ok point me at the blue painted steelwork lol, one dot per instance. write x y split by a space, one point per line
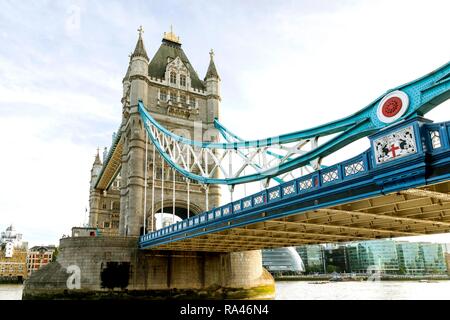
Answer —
350 180
424 94
228 136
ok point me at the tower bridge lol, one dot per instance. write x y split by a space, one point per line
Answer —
157 167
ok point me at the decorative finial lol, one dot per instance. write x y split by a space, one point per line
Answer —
211 54
141 31
171 36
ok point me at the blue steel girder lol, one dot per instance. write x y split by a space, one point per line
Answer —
417 98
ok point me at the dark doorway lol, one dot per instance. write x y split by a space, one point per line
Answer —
115 275
181 212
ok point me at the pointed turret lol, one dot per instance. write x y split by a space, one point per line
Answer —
139 51
96 168
127 74
138 71
97 160
212 81
212 71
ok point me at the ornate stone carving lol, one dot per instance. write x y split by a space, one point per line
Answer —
395 145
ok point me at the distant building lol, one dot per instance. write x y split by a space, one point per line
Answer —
13 267
421 258
282 261
369 256
447 256
312 257
447 260
39 256
12 236
383 256
85 232
336 259
13 256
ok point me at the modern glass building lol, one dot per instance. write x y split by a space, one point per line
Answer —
383 256
313 258
410 258
371 256
282 261
336 259
434 258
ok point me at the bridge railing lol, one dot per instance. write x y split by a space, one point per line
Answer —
436 138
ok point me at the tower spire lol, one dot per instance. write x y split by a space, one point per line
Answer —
212 71
140 51
97 157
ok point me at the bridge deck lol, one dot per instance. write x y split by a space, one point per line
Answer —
406 213
358 199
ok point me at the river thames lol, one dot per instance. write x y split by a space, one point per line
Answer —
305 290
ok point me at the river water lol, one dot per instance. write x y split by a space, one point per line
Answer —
304 290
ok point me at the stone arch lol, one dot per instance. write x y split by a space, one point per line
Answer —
181 205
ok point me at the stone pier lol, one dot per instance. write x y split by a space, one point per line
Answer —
113 268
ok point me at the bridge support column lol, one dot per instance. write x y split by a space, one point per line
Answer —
113 267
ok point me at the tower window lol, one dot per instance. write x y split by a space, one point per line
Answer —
173 97
163 95
104 205
116 205
173 77
183 80
192 102
183 99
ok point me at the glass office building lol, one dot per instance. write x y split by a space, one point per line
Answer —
387 256
336 259
371 256
433 258
282 261
383 256
421 258
312 257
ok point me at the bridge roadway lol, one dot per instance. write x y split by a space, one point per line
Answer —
358 199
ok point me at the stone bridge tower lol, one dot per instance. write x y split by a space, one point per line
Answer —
175 96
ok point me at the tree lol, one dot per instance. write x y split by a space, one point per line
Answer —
55 254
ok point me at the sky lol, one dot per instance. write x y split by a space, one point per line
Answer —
286 65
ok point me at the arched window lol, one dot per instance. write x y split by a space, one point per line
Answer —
173 77
183 80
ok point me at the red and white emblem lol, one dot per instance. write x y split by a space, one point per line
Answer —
395 145
392 106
